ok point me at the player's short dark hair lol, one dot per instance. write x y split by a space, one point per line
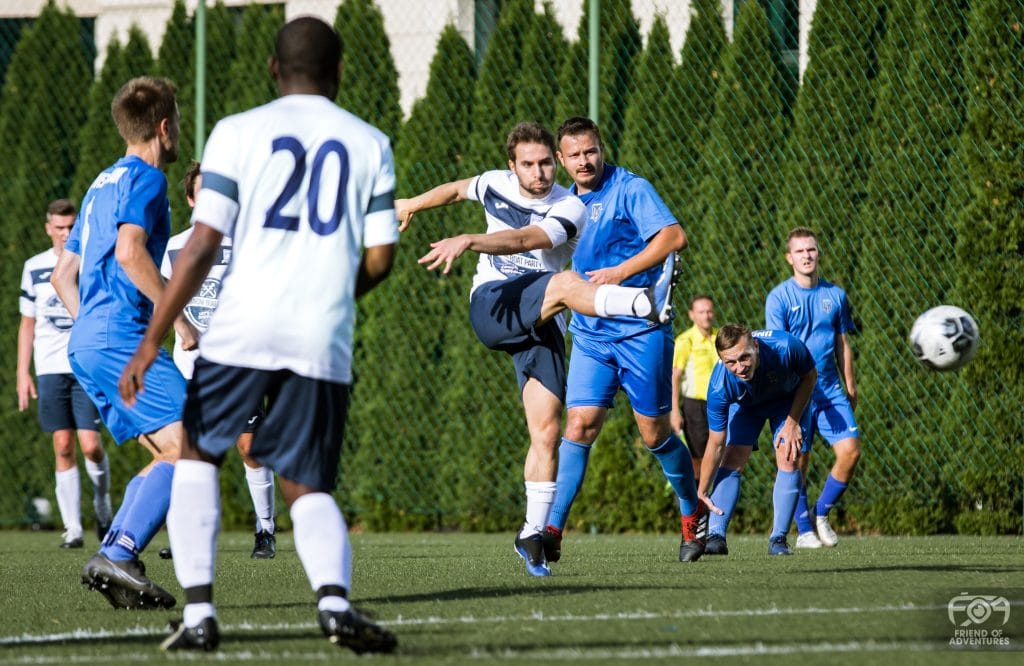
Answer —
61 207
189 181
307 49
529 132
731 335
801 232
579 125
701 297
140 105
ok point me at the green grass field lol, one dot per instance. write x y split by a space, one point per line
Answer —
457 598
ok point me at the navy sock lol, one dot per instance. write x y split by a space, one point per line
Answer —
803 518
830 494
787 488
572 467
725 496
145 516
678 467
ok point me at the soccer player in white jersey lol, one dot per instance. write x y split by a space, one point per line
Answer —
306 192
532 227
64 408
259 479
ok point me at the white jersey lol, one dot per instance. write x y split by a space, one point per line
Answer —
39 301
560 214
202 305
301 186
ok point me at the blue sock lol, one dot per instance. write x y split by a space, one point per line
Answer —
725 496
787 488
145 515
803 513
572 467
678 467
126 502
830 494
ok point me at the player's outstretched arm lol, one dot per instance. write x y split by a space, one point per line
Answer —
65 280
190 269
670 239
510 241
442 195
26 387
713 454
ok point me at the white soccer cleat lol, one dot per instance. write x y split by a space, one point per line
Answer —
808 540
826 534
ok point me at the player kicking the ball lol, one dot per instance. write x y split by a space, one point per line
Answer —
532 228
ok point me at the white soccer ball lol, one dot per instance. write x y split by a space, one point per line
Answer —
944 338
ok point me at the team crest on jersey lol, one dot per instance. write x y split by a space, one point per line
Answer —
55 312
595 210
826 305
202 305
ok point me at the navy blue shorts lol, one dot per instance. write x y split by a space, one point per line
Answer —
503 314
300 435
63 405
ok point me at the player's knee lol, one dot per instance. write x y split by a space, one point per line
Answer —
582 431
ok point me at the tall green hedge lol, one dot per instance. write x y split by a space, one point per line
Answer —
369 81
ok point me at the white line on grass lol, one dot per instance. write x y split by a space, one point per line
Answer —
248 627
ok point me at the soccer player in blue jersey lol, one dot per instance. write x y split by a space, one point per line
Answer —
533 225
631 239
108 279
763 376
818 312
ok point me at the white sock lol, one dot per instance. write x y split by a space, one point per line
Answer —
539 497
261 489
99 474
193 521
321 540
611 300
193 614
69 501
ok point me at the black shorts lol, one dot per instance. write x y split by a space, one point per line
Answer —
300 435
695 425
503 314
63 405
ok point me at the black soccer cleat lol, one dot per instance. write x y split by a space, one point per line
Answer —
101 531
166 554
352 630
265 547
76 542
203 636
124 584
716 545
551 538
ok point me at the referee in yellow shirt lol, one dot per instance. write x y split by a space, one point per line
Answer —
692 362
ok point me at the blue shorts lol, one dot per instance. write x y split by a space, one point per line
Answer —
63 405
503 314
300 435
833 419
640 365
746 421
98 371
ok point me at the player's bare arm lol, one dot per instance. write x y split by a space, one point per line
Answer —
670 239
677 413
713 454
375 266
65 281
190 269
510 241
26 386
790 435
844 359
442 195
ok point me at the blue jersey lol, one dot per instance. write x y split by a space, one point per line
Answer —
783 360
817 316
113 312
624 213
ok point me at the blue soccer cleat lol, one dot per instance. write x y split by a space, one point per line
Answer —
531 549
778 546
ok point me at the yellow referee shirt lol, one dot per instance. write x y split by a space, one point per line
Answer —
695 355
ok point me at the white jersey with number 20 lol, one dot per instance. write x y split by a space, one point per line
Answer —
301 186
